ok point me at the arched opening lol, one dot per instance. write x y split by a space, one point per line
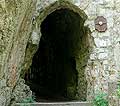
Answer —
57 69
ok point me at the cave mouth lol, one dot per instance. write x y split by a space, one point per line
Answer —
53 74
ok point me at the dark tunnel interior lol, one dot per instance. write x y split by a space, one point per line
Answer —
53 73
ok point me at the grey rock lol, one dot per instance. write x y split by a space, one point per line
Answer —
2 101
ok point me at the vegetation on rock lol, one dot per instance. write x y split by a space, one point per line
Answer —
100 99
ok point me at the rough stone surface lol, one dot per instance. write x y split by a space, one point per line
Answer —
21 91
15 25
18 21
2 101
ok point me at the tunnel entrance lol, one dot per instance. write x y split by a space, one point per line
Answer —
53 74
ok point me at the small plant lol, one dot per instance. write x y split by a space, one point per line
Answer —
118 90
118 93
100 100
28 100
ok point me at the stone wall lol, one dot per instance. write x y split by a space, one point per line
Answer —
17 24
102 66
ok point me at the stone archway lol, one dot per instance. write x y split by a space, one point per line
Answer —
57 65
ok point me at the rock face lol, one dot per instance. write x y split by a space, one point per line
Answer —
2 101
15 26
97 55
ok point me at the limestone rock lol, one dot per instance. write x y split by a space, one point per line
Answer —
2 101
21 91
